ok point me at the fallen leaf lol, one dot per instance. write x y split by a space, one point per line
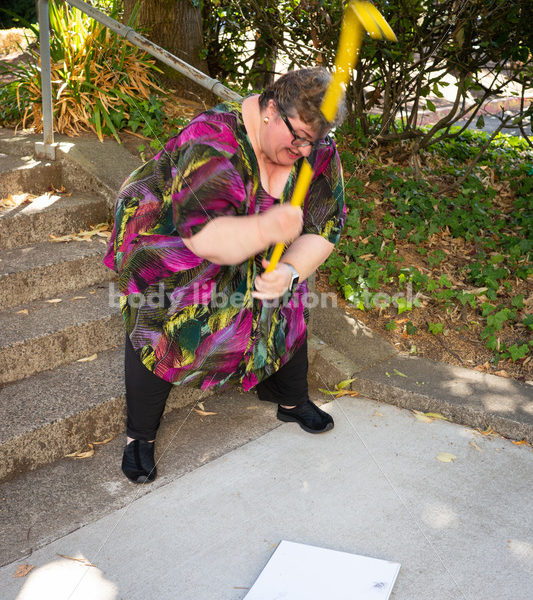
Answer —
82 453
79 298
344 383
474 445
104 441
446 457
54 300
61 190
399 373
377 414
342 393
101 230
521 443
332 393
88 358
204 413
84 561
24 311
200 405
435 415
23 570
488 431
420 416
15 200
501 373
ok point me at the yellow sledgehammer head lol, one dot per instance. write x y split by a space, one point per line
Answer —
358 18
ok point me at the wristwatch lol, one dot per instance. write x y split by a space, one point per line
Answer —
295 278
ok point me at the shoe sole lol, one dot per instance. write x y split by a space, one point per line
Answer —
289 419
141 478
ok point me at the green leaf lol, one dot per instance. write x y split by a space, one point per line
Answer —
399 373
480 122
430 106
517 352
344 383
435 328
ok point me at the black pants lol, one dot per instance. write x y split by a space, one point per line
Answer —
146 394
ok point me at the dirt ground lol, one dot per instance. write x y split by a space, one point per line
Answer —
459 348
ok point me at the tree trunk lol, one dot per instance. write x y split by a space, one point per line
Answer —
175 25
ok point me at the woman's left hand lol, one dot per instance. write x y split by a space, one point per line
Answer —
270 286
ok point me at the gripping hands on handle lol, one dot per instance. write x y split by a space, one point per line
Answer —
282 223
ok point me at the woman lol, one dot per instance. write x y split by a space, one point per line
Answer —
191 228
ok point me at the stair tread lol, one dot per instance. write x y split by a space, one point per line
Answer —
44 317
49 202
9 162
46 397
17 260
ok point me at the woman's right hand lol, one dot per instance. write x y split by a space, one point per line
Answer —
281 223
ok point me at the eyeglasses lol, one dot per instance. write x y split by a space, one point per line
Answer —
298 141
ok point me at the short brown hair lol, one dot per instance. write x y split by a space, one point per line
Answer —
300 93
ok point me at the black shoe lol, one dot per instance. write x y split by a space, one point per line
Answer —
308 416
138 461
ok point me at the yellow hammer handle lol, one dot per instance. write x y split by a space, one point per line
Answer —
347 53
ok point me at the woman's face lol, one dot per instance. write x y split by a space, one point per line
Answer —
276 140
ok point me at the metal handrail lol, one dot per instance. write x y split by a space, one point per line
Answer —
47 148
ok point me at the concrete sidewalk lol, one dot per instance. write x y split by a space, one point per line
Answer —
372 486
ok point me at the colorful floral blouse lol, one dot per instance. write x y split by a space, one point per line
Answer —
194 322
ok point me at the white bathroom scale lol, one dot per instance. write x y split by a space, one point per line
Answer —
302 572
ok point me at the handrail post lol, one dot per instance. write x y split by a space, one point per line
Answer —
46 148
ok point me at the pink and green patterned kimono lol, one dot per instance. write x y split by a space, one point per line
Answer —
195 322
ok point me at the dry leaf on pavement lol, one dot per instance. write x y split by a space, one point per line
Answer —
23 570
100 230
502 373
446 457
84 561
520 443
88 358
106 441
474 445
420 416
24 311
82 453
204 413
54 300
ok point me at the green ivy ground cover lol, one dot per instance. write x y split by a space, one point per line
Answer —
465 250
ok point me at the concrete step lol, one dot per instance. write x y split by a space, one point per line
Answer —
47 269
47 503
25 174
55 333
49 213
58 412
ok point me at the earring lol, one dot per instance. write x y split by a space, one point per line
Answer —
265 120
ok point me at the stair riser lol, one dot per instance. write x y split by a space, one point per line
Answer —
32 228
53 441
52 280
34 180
51 351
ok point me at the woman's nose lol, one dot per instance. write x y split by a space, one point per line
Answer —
305 150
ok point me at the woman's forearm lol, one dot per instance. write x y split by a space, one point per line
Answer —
307 253
230 240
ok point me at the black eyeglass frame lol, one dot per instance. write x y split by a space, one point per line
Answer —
322 143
